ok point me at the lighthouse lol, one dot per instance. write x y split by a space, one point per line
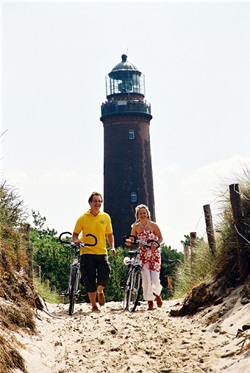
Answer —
128 174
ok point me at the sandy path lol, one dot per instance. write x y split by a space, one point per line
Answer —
143 341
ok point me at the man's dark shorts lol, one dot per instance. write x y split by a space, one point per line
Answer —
95 270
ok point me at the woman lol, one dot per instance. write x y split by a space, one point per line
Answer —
146 230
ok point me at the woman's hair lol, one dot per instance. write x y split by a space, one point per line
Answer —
94 194
137 209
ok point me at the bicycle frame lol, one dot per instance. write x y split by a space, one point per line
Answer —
74 282
133 284
75 273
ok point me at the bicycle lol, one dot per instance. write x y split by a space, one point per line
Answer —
73 291
133 284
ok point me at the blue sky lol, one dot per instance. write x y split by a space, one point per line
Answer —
195 57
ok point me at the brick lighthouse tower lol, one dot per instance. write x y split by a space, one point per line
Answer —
128 176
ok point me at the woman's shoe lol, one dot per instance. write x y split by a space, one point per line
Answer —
158 300
150 305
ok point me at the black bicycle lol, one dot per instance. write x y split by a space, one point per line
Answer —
133 284
74 291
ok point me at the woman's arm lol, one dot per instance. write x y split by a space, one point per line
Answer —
157 232
133 233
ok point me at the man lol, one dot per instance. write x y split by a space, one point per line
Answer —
95 267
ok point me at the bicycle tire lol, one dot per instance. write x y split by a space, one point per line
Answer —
134 290
126 291
72 290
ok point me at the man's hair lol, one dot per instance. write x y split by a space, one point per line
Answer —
93 195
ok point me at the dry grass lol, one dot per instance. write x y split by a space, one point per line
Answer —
10 357
18 298
208 277
17 304
196 272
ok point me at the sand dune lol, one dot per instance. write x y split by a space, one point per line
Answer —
144 341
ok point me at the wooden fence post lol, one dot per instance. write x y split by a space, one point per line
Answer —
186 253
209 228
170 285
193 236
38 273
26 229
242 245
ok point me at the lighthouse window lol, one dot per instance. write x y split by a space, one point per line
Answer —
131 134
133 197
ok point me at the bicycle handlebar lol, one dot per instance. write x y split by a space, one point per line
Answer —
81 244
136 241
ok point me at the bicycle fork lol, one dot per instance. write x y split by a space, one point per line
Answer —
74 272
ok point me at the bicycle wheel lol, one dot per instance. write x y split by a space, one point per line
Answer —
126 290
72 290
134 290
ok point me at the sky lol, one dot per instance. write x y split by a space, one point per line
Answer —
196 61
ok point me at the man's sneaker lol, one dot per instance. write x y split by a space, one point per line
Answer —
158 300
150 305
101 298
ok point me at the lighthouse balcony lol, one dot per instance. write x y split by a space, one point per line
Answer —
133 107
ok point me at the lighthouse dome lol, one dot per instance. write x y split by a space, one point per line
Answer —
124 65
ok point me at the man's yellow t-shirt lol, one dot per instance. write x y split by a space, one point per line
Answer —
99 225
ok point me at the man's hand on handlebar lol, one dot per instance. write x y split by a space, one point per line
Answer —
77 241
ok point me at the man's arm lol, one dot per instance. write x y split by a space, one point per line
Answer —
111 241
76 239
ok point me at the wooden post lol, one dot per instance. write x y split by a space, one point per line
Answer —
242 245
186 253
38 272
209 228
193 236
26 229
170 285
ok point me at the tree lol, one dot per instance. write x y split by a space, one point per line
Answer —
186 242
54 258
